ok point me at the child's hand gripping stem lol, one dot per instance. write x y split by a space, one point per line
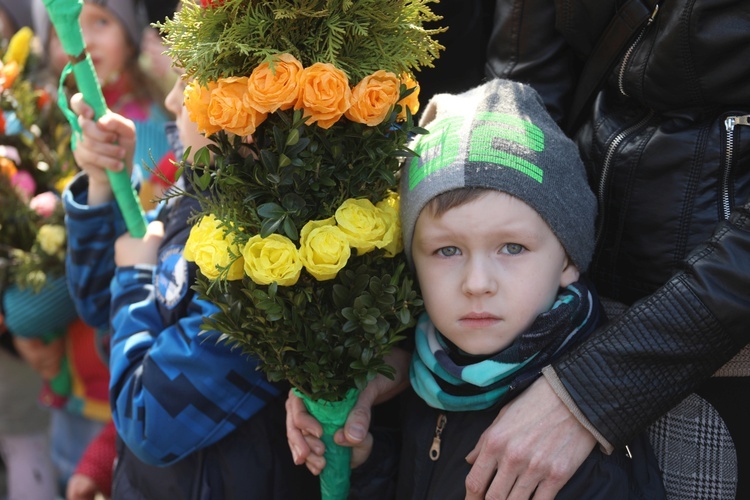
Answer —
64 16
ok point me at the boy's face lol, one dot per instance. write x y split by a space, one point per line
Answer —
188 129
487 269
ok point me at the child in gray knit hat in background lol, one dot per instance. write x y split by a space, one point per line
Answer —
113 31
498 223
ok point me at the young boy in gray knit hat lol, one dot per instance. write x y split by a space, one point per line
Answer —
498 223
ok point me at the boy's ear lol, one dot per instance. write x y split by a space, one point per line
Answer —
570 273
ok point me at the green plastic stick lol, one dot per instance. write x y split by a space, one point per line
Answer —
64 16
335 478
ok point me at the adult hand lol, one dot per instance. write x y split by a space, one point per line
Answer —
130 251
81 487
107 144
44 358
533 447
303 431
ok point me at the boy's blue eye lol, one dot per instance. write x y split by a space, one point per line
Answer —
512 249
449 251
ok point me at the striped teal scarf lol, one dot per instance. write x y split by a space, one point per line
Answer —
445 384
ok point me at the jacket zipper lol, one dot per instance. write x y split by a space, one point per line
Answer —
730 122
607 165
629 52
435 448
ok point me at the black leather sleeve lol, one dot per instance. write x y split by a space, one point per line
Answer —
643 363
525 47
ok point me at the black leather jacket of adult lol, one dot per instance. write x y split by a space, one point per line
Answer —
667 144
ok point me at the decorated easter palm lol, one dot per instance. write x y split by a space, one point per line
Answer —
309 105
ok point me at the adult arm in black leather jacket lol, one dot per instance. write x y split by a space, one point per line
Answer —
635 369
628 374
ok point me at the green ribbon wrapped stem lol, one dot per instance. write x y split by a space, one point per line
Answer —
64 16
334 480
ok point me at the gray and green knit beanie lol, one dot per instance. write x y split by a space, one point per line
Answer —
500 136
130 13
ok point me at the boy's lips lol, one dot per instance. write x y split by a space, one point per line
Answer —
479 319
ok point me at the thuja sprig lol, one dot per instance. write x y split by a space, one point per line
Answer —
357 37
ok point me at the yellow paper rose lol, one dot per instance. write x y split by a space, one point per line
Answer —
324 248
51 238
228 110
272 89
62 182
363 223
412 100
373 98
209 247
197 100
270 259
19 47
389 208
36 279
324 94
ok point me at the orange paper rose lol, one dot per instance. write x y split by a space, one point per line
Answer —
412 100
324 94
373 98
197 100
272 89
227 109
8 74
7 168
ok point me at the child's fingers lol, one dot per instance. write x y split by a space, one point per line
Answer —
116 124
101 155
79 106
94 133
315 464
99 147
302 430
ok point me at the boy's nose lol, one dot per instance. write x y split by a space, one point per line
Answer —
479 280
173 101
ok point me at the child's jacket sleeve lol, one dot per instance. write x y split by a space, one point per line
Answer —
174 389
90 261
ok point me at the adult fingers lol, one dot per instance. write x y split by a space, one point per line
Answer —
358 422
532 448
